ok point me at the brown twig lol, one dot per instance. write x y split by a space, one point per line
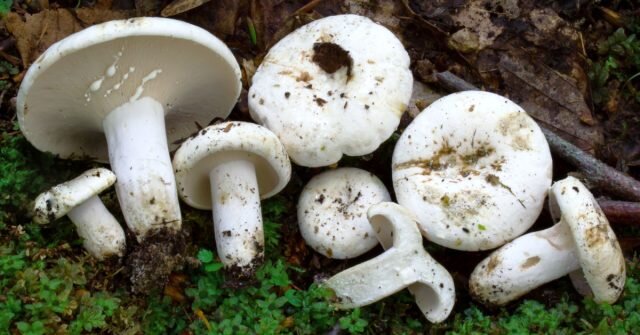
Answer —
600 174
621 212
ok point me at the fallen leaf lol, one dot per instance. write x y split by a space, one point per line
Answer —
478 30
148 7
35 33
550 98
38 31
180 6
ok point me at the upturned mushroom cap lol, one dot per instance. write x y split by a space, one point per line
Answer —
332 212
224 142
474 168
597 247
59 200
335 86
71 87
404 264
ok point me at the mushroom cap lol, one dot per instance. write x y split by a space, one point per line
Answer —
597 247
71 87
474 168
332 212
224 142
319 116
60 199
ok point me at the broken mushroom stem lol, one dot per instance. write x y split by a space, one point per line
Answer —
404 264
596 171
237 215
139 156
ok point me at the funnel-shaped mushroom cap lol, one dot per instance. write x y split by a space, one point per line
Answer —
335 86
69 90
332 212
226 142
597 247
404 264
474 168
59 200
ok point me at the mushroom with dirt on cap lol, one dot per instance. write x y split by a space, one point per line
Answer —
332 212
581 244
120 92
474 168
228 168
102 236
404 264
335 86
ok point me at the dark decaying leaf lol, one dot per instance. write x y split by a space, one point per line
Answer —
180 6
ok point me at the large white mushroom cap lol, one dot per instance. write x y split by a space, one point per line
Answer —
78 81
475 170
335 86
332 212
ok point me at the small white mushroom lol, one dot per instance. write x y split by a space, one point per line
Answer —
332 212
228 168
78 199
123 92
474 168
404 264
335 86
581 243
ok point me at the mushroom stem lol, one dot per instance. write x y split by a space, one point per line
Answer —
101 233
237 216
139 156
404 264
524 264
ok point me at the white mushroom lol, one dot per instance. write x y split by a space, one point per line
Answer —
106 92
229 167
335 86
581 244
332 212
474 168
78 199
404 264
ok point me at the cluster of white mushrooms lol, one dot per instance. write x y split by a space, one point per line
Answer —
471 172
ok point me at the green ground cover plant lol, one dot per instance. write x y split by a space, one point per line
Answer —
49 286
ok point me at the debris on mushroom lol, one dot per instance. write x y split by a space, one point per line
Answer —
228 168
404 264
332 212
78 199
581 244
335 86
120 92
474 168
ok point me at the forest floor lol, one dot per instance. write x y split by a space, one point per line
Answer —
573 65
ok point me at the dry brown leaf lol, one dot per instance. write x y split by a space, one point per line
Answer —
551 98
478 30
35 33
219 17
180 6
38 31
